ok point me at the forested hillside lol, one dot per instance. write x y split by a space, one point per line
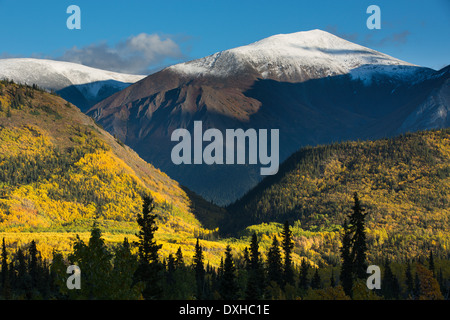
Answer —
59 171
403 182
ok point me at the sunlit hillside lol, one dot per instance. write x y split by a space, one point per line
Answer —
403 183
60 171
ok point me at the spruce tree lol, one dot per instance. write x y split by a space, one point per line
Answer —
246 259
94 260
199 270
332 280
287 246
431 263
274 263
346 276
303 282
170 271
359 249
390 288
179 261
409 280
316 282
23 285
417 291
255 280
228 287
58 276
33 264
125 264
149 268
6 285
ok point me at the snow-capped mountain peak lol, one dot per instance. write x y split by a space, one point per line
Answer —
55 75
79 84
297 56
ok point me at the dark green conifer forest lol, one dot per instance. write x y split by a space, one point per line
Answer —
131 271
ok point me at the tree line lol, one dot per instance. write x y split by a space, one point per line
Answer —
137 271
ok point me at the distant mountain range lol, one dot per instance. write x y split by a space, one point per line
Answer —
313 86
81 85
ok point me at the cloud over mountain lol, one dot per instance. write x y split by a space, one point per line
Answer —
136 55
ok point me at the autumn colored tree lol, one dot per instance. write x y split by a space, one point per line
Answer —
429 287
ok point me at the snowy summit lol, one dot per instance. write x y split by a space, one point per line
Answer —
56 75
308 54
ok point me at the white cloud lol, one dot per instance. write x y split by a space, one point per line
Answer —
137 54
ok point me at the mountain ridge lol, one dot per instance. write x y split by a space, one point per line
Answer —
82 85
371 101
403 184
59 167
284 57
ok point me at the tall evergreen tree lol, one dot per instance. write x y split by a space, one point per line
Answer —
246 259
170 271
255 280
431 263
346 276
228 285
417 291
359 249
390 288
274 263
6 285
199 270
316 282
33 264
23 285
179 260
409 280
149 268
332 280
58 276
303 283
287 246
94 260
125 264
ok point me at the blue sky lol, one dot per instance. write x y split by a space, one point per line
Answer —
140 36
